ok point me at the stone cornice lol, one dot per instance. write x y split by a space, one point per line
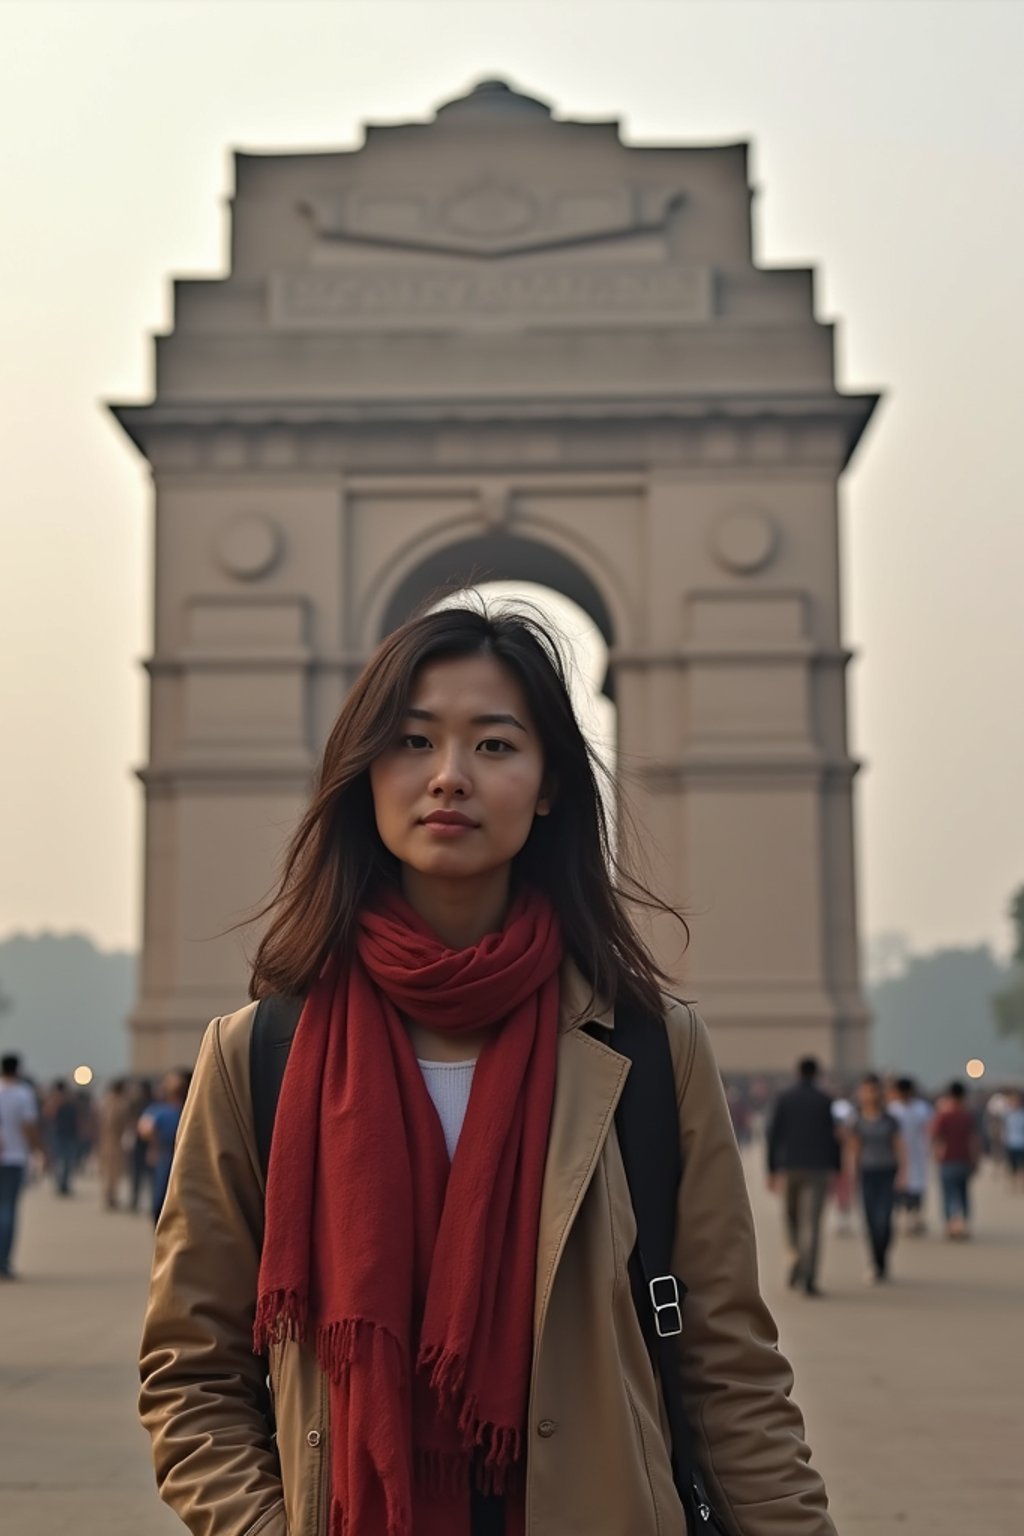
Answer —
149 425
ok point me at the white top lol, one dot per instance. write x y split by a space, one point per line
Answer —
449 1083
914 1120
17 1109
842 1111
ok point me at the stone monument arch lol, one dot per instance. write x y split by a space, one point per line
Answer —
508 345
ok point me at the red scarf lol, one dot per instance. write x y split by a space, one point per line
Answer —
414 1279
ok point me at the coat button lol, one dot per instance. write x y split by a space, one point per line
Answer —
546 1428
313 1438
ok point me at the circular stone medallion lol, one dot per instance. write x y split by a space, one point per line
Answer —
744 541
248 547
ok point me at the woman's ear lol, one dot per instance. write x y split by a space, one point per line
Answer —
547 798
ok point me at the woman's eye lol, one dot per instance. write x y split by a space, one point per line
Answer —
416 742
494 747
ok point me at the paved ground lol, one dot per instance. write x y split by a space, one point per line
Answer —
913 1393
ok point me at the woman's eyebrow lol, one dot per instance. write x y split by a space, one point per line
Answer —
426 714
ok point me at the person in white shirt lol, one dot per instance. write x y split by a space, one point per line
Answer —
913 1115
19 1138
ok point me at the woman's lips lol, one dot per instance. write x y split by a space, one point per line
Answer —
448 824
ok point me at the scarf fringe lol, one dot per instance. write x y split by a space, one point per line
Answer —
447 1375
499 1479
337 1345
501 1449
280 1316
283 1316
447 1474
501 1445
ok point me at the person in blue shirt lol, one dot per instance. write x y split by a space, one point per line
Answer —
158 1127
1013 1139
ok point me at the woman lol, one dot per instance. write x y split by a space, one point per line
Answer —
957 1154
112 1124
877 1157
453 1345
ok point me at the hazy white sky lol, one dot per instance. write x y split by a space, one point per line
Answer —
888 149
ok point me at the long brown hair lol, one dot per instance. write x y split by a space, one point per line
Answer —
336 858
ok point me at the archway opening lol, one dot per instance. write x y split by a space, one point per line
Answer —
512 564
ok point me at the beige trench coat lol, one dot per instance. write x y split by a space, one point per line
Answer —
598 1459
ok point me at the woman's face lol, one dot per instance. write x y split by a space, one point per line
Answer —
870 1097
456 795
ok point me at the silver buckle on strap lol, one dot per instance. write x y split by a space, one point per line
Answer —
668 1311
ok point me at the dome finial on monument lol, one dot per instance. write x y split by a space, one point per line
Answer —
491 101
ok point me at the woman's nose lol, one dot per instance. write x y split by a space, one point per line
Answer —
450 777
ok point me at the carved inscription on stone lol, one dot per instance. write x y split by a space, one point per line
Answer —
375 298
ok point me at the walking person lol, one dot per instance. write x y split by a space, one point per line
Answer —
158 1128
803 1158
85 1128
437 1263
19 1139
957 1148
877 1159
61 1112
113 1123
913 1114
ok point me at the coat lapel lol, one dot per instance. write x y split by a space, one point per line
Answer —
589 1081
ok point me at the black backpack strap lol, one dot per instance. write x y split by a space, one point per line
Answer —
647 1125
272 1030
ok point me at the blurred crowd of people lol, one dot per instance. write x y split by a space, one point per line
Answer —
127 1134
879 1145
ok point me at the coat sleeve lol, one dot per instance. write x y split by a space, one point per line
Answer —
203 1397
748 1432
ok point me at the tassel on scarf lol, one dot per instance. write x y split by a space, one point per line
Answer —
280 1316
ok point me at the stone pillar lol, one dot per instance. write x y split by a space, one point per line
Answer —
241 680
733 740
